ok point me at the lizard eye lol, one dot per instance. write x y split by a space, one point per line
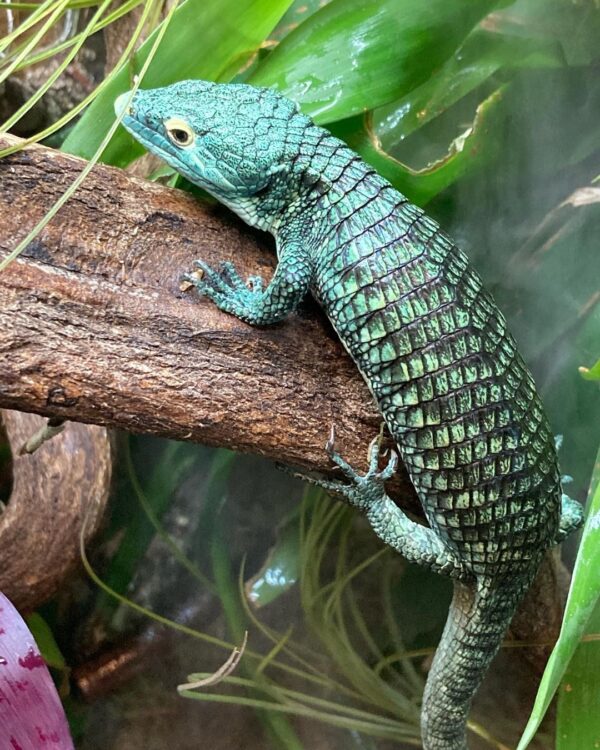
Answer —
179 132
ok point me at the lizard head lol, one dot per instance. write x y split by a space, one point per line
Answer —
229 139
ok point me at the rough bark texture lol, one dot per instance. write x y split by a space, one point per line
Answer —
55 490
94 326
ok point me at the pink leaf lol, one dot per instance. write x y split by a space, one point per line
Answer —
31 714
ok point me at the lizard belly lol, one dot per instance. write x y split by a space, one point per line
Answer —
453 391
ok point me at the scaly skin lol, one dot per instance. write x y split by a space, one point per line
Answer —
431 344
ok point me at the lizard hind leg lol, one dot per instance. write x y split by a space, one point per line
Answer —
417 543
571 517
571 511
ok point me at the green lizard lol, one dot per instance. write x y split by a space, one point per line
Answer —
431 344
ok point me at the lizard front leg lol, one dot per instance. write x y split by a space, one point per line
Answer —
248 300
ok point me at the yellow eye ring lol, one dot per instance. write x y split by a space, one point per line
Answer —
179 132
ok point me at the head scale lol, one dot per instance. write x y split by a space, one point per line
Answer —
229 139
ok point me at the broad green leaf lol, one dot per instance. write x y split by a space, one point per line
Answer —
483 54
578 717
582 599
298 12
354 55
475 146
591 373
203 40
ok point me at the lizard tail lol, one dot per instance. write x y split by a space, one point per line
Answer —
478 618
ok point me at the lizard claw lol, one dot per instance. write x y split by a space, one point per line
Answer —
330 444
232 277
391 466
336 458
362 490
210 281
375 448
226 287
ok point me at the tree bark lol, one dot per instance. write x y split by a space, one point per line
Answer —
94 326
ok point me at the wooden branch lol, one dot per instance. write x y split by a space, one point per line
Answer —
95 328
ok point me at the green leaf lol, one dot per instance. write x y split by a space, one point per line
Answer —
298 12
474 147
578 718
354 55
482 54
583 597
591 373
203 40
45 640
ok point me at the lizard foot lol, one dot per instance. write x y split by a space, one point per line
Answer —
571 517
571 512
362 491
227 289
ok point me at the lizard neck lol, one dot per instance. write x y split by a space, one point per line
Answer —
323 182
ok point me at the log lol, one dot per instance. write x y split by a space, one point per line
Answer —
95 326
57 490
